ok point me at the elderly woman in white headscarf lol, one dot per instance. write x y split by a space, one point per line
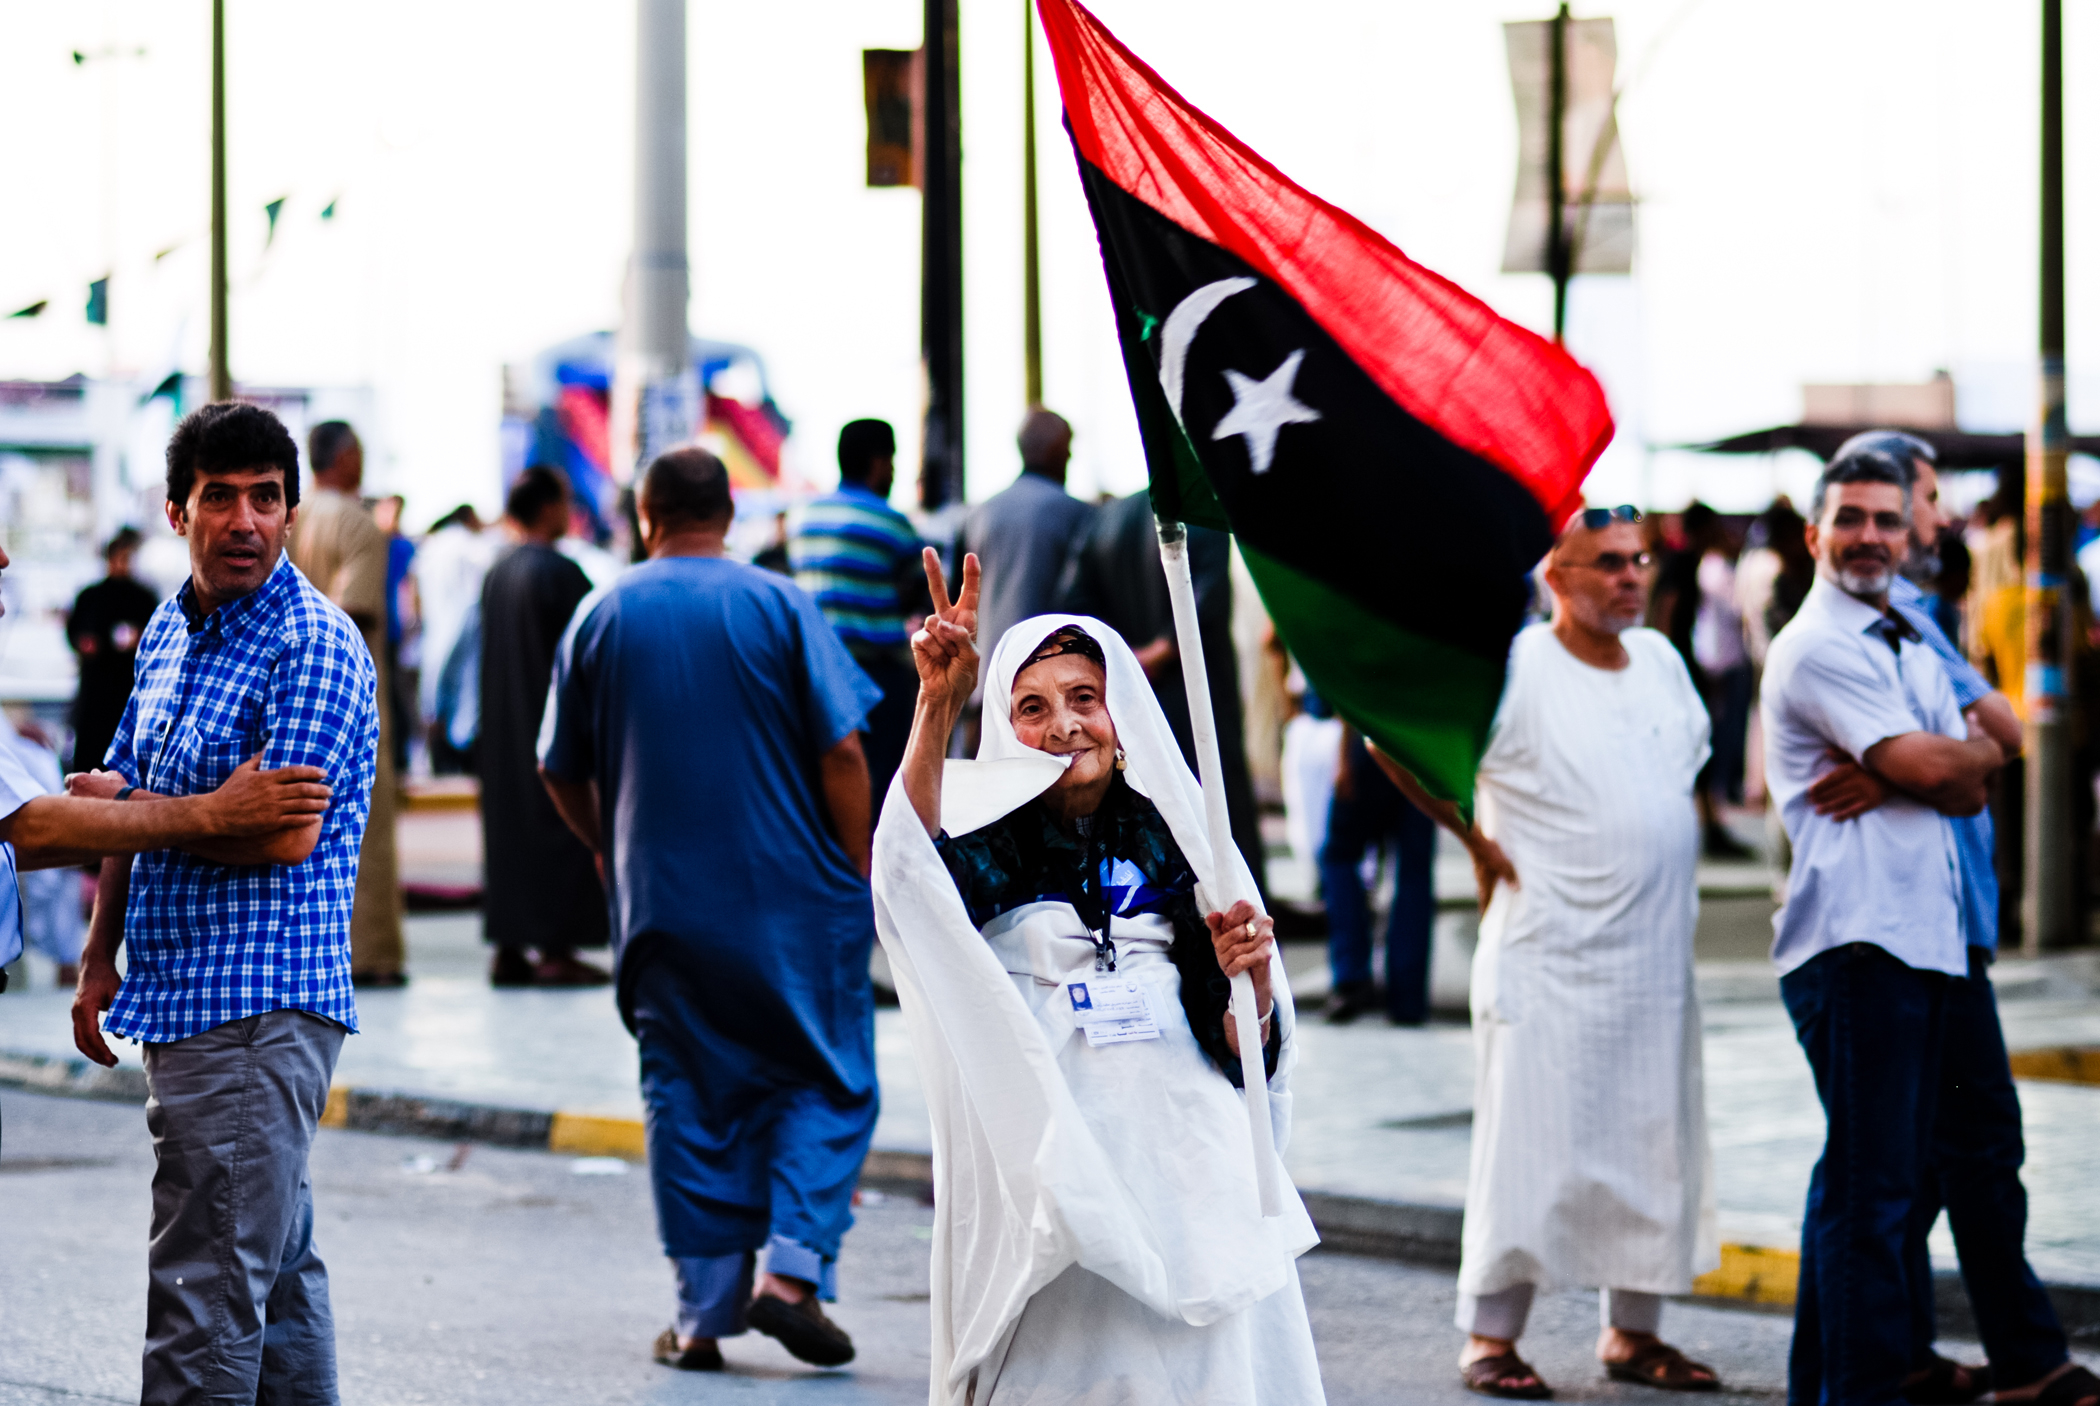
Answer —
1098 1236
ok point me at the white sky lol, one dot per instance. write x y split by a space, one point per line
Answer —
1830 192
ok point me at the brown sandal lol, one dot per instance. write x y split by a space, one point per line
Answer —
1657 1364
1493 1376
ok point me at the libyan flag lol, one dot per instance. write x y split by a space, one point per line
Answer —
1392 456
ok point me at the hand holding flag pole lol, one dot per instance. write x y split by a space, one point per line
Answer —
1254 1075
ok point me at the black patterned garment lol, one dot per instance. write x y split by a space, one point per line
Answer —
1125 860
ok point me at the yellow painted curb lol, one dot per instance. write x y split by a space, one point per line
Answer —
2066 1064
442 793
590 1136
1752 1274
336 1113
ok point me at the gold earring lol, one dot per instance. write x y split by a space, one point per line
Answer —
1121 765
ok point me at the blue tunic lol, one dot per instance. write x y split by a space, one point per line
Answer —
700 694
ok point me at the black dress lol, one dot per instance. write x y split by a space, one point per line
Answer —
1024 857
540 887
109 617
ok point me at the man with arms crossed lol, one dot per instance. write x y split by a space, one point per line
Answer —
39 830
1977 1142
1591 1164
238 976
1870 939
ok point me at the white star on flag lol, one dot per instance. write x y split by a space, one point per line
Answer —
1262 408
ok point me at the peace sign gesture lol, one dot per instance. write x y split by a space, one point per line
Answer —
942 648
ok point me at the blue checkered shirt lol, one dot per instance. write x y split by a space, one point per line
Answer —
284 673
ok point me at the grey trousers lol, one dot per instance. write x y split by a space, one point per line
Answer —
236 1298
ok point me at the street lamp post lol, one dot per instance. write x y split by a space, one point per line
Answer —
220 376
662 386
2051 911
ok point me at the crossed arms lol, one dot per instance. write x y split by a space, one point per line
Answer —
1950 776
257 817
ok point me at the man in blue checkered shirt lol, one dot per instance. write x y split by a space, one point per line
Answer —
238 974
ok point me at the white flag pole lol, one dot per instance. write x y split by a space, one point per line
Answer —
1181 589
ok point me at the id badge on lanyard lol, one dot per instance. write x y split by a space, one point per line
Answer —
1112 1010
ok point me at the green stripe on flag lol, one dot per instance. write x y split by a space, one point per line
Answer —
1425 703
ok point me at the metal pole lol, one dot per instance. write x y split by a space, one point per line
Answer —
941 291
659 285
1031 288
1188 638
219 375
2052 912
1556 175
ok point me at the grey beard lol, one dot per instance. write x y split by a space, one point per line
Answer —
1612 624
1922 566
1855 582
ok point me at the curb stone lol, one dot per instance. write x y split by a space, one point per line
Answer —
1750 1276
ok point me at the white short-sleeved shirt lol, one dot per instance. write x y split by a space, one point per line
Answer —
1892 877
17 788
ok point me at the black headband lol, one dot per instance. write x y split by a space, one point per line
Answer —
1067 639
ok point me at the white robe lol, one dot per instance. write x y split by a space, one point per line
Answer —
1591 1165
1098 1237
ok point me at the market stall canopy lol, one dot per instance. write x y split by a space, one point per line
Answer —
1958 449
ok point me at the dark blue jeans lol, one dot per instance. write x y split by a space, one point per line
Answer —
1870 1027
1375 816
1977 1150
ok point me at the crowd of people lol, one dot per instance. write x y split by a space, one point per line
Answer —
819 754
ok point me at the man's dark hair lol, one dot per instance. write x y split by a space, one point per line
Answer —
228 435
536 489
861 443
685 486
1876 456
463 515
1043 433
127 539
1698 521
325 441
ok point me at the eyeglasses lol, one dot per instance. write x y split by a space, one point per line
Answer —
1595 518
1612 563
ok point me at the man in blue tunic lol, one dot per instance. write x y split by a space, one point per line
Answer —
702 737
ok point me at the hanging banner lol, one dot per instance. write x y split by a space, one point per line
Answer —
1597 202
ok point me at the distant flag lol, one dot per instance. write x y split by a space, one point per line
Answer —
35 309
98 302
1392 456
328 210
273 210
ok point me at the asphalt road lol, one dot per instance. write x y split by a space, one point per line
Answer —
480 1275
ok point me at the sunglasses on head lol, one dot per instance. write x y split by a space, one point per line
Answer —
1594 518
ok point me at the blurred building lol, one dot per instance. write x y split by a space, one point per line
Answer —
80 458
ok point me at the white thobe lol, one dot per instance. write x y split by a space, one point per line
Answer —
1591 1164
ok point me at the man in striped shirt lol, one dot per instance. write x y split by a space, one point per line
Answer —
859 558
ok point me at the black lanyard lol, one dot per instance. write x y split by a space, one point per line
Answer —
1083 891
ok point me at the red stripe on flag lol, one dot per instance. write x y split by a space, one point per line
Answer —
1486 384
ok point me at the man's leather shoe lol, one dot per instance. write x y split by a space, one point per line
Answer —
686 1359
802 1329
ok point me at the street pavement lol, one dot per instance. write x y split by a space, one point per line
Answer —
1380 1112
470 1274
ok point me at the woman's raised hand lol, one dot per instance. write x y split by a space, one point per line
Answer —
942 648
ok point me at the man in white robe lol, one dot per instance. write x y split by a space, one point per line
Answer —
1591 1165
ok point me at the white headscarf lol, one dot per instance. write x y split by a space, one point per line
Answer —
1008 773
1022 1189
